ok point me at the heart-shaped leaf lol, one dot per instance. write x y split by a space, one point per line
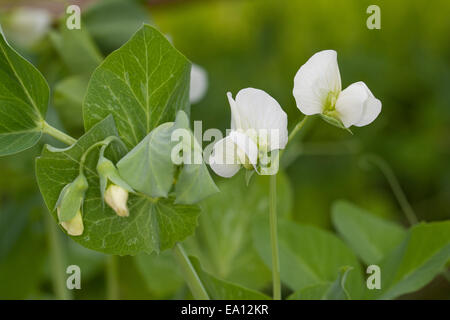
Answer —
370 237
24 95
223 242
308 255
335 290
416 261
153 224
218 289
142 84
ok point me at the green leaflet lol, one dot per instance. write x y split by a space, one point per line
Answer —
77 50
148 167
335 290
194 182
370 237
112 22
152 225
223 242
142 84
416 261
218 289
308 255
160 272
24 95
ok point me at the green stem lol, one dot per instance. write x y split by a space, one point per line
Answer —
395 186
190 275
56 261
112 278
55 133
297 128
274 239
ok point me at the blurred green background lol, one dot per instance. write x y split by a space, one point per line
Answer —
243 44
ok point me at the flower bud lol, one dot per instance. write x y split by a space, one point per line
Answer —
108 173
74 227
116 197
69 205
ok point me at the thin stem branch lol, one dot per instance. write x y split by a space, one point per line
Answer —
190 275
112 278
56 260
59 135
297 128
274 239
395 186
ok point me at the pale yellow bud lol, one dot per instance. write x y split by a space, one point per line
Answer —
75 226
116 197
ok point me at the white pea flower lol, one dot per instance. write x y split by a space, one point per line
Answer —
258 126
317 90
116 197
29 25
199 83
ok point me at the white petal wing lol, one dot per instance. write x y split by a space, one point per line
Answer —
371 109
350 103
223 159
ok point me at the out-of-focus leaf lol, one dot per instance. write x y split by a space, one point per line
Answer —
223 241
22 251
223 290
153 224
76 49
335 290
143 84
68 99
308 255
370 237
161 273
112 22
24 95
416 261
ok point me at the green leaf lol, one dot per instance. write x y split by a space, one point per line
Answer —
308 255
153 224
22 243
142 84
325 291
68 99
160 272
148 167
421 256
112 22
370 237
24 95
194 182
223 242
218 289
77 50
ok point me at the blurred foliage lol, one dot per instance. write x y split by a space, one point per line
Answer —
257 44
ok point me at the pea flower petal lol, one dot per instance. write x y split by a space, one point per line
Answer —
315 80
116 197
223 160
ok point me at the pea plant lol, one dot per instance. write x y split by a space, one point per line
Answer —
118 190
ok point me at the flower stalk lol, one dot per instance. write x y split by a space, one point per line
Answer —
190 275
274 239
